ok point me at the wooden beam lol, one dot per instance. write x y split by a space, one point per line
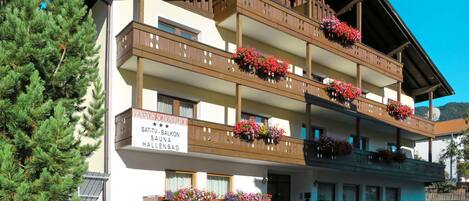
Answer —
309 62
239 30
430 105
347 7
141 11
359 76
310 9
399 49
430 142
399 91
359 17
357 133
139 84
424 90
238 103
398 138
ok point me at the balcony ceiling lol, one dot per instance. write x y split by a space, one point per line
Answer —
384 30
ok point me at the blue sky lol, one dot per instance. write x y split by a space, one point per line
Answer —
442 28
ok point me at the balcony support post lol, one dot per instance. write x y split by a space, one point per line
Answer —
359 17
239 30
238 103
399 90
139 84
310 9
430 105
308 120
141 11
309 62
430 142
358 134
398 138
359 76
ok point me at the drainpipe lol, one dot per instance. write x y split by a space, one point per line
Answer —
107 94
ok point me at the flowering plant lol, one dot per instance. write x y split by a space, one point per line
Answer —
399 111
250 60
328 146
191 194
246 130
342 148
339 31
342 91
250 130
388 156
242 196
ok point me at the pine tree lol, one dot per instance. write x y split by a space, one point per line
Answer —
47 65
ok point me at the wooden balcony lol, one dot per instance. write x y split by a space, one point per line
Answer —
150 43
216 139
290 21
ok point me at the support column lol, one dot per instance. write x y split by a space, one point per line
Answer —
308 120
398 138
239 30
238 103
310 9
430 105
141 11
359 17
359 76
139 84
357 133
430 142
399 90
309 62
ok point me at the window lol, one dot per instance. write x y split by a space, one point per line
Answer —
315 135
176 106
252 117
176 180
326 192
392 194
392 147
363 141
219 184
372 193
178 29
351 192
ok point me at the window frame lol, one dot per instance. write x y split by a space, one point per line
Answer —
371 186
176 103
178 28
230 177
313 128
334 189
192 173
350 185
398 192
252 117
363 146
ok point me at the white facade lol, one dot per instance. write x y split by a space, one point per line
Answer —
134 174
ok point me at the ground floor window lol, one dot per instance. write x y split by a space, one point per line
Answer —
372 193
392 194
219 184
176 180
326 192
351 192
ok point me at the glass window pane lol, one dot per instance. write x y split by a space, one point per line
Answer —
165 104
260 120
326 192
351 139
176 181
218 184
186 109
166 27
187 35
392 194
317 132
245 116
372 193
350 193
303 132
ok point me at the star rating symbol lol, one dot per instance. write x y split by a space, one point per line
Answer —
161 125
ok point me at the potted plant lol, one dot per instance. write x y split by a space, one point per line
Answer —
399 111
275 134
343 148
242 196
325 146
190 194
342 91
250 60
246 130
340 32
247 59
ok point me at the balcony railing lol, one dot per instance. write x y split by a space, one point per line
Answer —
216 139
288 20
148 42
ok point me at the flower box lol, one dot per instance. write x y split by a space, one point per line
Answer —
191 194
389 157
242 196
327 146
250 130
250 60
399 111
340 32
342 92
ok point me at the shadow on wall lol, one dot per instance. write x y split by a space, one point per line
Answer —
164 161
